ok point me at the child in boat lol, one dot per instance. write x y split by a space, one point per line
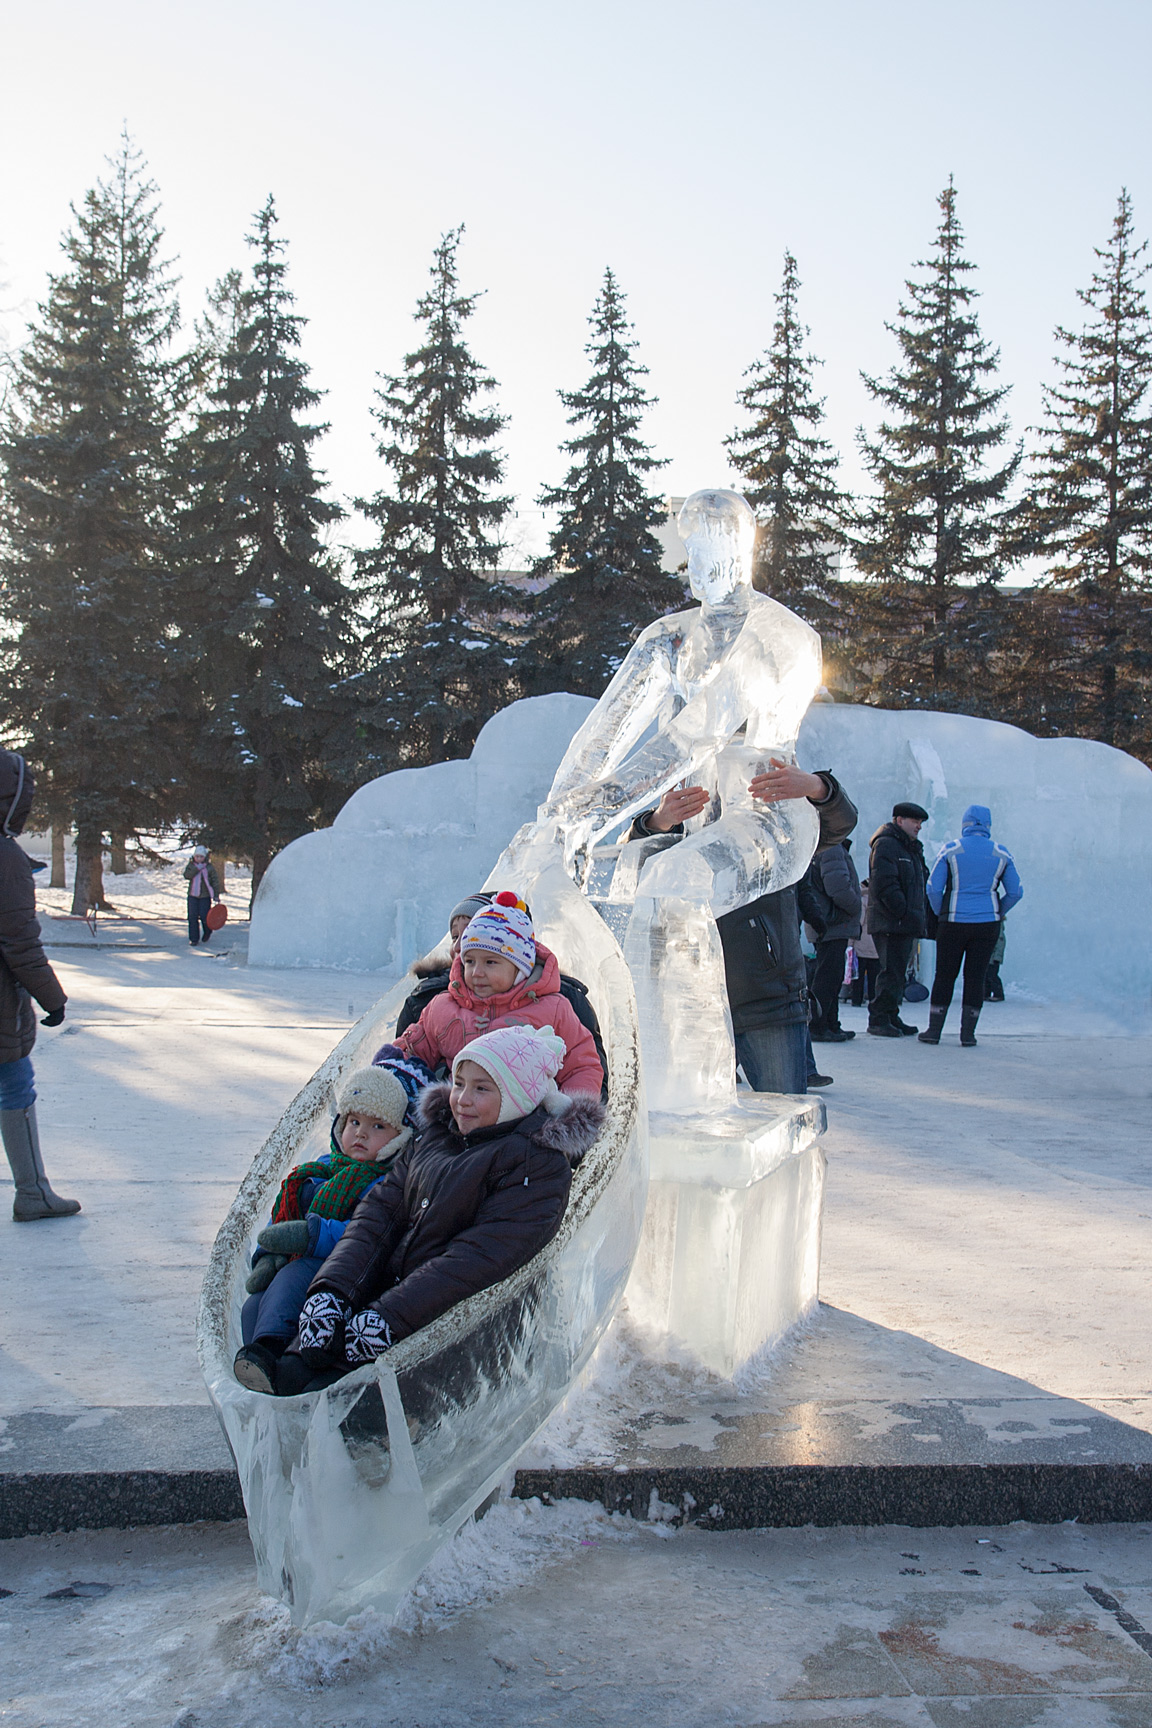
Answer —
316 1200
480 1190
433 976
502 976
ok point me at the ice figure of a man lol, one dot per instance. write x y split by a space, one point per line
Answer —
712 697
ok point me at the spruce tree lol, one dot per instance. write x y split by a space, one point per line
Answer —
789 472
435 655
936 538
1090 510
85 587
267 613
604 561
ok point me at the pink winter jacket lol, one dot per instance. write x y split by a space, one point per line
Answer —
455 1017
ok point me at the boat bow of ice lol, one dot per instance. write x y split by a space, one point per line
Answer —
349 1492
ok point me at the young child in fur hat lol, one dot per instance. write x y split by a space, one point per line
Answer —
316 1200
502 977
480 1190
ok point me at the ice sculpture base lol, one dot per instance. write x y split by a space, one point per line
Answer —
729 1258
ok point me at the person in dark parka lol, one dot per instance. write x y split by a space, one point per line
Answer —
897 913
763 957
833 873
481 1190
25 977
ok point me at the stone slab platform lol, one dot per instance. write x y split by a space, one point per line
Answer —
851 1424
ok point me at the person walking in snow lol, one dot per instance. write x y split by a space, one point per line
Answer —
973 886
897 913
25 976
203 889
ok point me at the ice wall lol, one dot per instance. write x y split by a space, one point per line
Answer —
1076 815
374 891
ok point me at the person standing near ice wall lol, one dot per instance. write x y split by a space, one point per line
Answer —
973 886
25 976
699 725
897 913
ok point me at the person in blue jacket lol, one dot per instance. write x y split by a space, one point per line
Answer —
973 885
316 1200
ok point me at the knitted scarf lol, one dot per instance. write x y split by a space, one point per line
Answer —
347 1178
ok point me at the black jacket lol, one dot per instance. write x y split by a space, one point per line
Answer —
24 970
763 960
832 873
574 992
457 1213
897 884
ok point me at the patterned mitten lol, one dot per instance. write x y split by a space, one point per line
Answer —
320 1319
291 1237
367 1336
263 1271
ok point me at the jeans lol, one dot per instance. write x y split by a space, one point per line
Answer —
774 1058
895 953
826 982
17 1091
198 905
972 943
275 1312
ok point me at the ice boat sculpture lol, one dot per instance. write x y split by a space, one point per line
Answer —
350 1492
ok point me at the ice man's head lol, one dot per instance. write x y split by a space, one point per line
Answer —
719 530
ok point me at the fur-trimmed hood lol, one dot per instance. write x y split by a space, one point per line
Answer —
564 1122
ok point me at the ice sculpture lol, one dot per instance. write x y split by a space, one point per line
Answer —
731 1246
708 696
350 1492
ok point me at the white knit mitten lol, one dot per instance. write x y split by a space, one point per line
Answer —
320 1318
367 1336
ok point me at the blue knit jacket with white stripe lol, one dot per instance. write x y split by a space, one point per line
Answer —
974 879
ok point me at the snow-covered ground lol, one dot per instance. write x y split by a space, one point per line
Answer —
562 1615
148 891
995 1202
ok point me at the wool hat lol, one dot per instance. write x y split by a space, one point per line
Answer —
504 928
375 1092
468 907
199 851
524 1062
916 811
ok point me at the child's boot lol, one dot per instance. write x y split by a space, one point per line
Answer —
34 1196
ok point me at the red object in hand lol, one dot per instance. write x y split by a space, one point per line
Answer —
216 916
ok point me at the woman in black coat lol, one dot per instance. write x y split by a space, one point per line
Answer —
466 1205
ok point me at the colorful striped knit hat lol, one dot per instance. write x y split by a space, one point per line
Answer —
523 1061
504 928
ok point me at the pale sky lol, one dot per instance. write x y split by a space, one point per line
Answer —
684 144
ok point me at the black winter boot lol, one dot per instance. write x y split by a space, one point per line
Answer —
968 1019
936 1019
34 1196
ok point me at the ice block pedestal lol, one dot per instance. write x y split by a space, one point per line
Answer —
729 1257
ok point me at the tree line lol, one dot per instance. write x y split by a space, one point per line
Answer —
185 642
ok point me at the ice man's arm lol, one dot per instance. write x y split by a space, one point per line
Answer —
633 699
